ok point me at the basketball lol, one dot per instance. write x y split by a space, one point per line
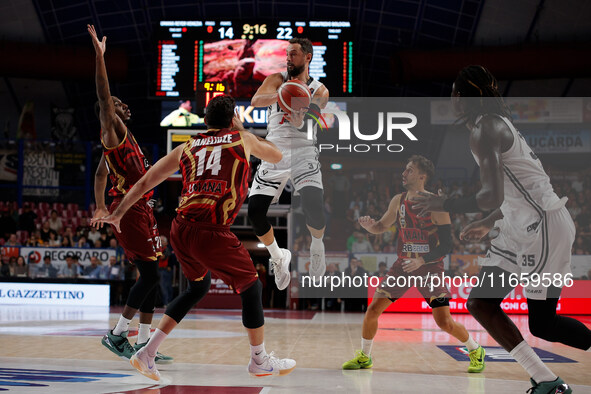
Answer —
293 96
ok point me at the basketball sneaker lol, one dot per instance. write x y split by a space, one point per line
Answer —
476 360
160 358
145 365
317 261
280 268
271 365
361 361
554 387
118 344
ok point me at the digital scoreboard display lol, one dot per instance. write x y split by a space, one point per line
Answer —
201 59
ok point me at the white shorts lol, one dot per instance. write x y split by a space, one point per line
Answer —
547 250
299 164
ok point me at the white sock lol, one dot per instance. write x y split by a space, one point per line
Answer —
122 325
276 253
470 344
258 352
531 362
316 242
143 333
155 342
366 345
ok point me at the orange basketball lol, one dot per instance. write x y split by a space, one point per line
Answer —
293 95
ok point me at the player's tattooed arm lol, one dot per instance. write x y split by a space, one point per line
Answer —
387 220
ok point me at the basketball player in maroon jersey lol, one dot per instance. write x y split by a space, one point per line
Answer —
124 163
215 167
422 244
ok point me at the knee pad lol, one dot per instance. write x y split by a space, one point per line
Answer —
252 306
258 206
313 206
179 307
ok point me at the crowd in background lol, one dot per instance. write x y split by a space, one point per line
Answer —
352 195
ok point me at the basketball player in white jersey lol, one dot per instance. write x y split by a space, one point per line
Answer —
532 232
300 163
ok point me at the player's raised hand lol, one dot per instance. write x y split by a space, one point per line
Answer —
296 118
99 46
366 222
429 202
112 219
237 123
99 213
475 231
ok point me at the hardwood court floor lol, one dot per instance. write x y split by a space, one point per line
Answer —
57 349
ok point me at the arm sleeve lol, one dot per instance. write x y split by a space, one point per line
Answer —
444 247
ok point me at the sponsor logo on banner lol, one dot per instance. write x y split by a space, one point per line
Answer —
59 254
54 294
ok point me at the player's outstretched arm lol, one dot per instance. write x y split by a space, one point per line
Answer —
111 125
100 183
387 220
267 93
164 168
261 148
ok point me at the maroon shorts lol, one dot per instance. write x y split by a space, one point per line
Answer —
397 282
202 247
139 235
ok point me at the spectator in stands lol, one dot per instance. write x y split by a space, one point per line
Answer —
390 246
5 269
33 241
83 229
7 224
12 241
21 268
109 232
76 263
382 270
114 271
26 220
97 244
45 230
47 269
55 222
70 269
68 233
361 243
332 304
354 269
93 235
82 243
104 240
93 271
54 240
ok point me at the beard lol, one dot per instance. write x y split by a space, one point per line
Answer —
294 71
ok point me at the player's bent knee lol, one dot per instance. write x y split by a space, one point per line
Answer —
181 305
252 306
257 214
313 207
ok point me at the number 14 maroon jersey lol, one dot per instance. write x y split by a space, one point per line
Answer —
215 177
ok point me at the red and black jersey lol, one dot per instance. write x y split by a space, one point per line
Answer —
215 177
417 236
126 164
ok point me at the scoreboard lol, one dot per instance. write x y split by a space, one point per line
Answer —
201 59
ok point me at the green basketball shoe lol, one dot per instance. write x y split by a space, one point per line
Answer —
361 361
554 387
476 360
118 344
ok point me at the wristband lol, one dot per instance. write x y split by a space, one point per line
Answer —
461 205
